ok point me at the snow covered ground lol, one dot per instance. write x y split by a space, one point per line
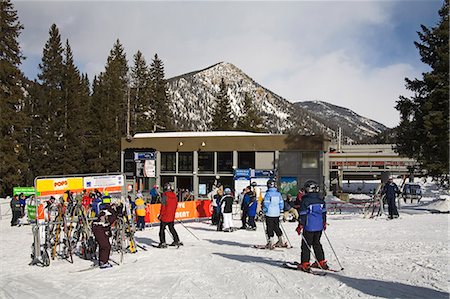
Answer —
403 258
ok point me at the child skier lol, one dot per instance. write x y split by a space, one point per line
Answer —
102 231
313 217
272 208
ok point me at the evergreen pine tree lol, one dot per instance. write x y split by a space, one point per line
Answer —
13 119
222 118
249 121
423 130
109 112
74 129
163 115
48 109
141 97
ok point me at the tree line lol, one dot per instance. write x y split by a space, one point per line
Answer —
60 123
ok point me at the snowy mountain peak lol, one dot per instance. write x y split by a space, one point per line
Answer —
193 100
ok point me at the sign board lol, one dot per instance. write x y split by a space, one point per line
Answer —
288 185
149 169
144 156
108 182
262 173
27 191
242 173
58 185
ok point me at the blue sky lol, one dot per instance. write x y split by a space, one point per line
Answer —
349 53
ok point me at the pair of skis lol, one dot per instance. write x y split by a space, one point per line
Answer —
313 271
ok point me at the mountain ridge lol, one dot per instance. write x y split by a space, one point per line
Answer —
193 98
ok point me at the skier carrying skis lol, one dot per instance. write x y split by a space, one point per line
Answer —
272 208
313 219
391 191
166 215
102 231
226 206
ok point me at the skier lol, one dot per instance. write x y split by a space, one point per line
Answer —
219 216
16 210
253 204
154 194
244 207
391 191
272 208
313 219
102 231
226 206
140 213
23 203
166 215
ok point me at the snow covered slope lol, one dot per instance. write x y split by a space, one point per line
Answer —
193 100
403 258
353 125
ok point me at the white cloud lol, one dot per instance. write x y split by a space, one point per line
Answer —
300 50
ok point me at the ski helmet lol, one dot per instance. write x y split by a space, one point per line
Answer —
254 184
270 183
167 187
227 191
311 187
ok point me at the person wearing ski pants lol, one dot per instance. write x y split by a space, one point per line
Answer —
140 213
253 204
102 231
226 205
272 208
313 217
169 205
391 190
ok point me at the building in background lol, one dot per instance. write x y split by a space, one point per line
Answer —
195 160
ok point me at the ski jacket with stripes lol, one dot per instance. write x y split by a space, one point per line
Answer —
169 204
313 213
140 207
273 203
226 203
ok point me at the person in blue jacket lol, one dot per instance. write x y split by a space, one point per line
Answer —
391 190
272 208
252 205
313 219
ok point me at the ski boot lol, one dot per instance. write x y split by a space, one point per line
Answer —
176 243
321 265
162 245
305 267
270 245
280 242
105 265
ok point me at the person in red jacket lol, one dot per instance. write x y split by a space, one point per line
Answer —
167 217
86 200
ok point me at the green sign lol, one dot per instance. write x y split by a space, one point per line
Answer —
31 211
27 191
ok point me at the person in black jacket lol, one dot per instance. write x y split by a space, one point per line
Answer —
16 210
391 190
226 204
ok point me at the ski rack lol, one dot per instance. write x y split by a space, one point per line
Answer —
72 225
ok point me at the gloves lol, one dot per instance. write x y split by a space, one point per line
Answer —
324 226
299 229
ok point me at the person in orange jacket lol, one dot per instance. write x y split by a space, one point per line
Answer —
140 213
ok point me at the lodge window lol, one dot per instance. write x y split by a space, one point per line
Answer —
246 160
168 162
310 160
206 162
225 162
185 162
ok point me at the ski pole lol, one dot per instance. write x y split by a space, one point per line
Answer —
342 268
287 238
187 229
311 250
265 231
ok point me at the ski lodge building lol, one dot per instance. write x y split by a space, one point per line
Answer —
194 160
